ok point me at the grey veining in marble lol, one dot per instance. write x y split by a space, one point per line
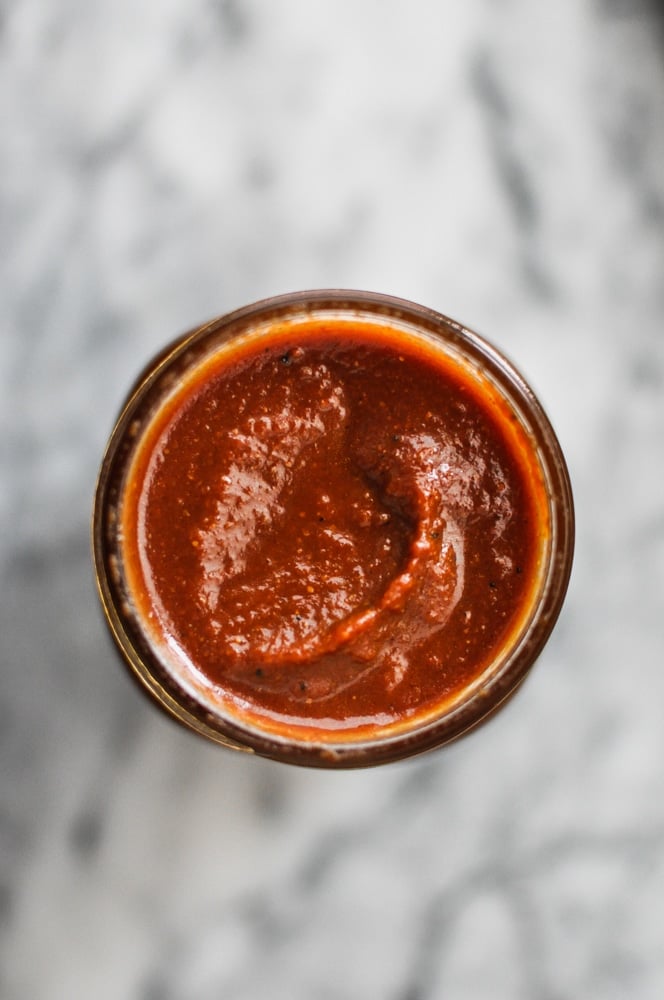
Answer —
499 160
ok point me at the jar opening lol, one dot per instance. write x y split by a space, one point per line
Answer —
329 529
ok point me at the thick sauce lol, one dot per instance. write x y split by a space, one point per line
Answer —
333 528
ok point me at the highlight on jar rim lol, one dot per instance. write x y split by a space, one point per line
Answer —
333 528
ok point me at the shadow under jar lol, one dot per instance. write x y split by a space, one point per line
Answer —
333 528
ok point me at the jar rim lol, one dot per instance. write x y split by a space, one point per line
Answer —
475 706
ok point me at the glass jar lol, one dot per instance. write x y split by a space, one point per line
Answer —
176 684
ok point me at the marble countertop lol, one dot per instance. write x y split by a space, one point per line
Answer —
162 163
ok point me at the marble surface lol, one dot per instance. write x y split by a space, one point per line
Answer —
498 160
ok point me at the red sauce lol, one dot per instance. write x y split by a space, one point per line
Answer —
333 528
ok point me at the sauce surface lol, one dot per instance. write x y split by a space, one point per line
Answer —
334 527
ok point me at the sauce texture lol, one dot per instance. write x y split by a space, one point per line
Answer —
333 528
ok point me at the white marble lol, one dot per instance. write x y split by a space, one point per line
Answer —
161 162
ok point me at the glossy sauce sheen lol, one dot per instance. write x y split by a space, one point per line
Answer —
336 527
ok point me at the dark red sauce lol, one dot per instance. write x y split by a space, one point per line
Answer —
333 527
